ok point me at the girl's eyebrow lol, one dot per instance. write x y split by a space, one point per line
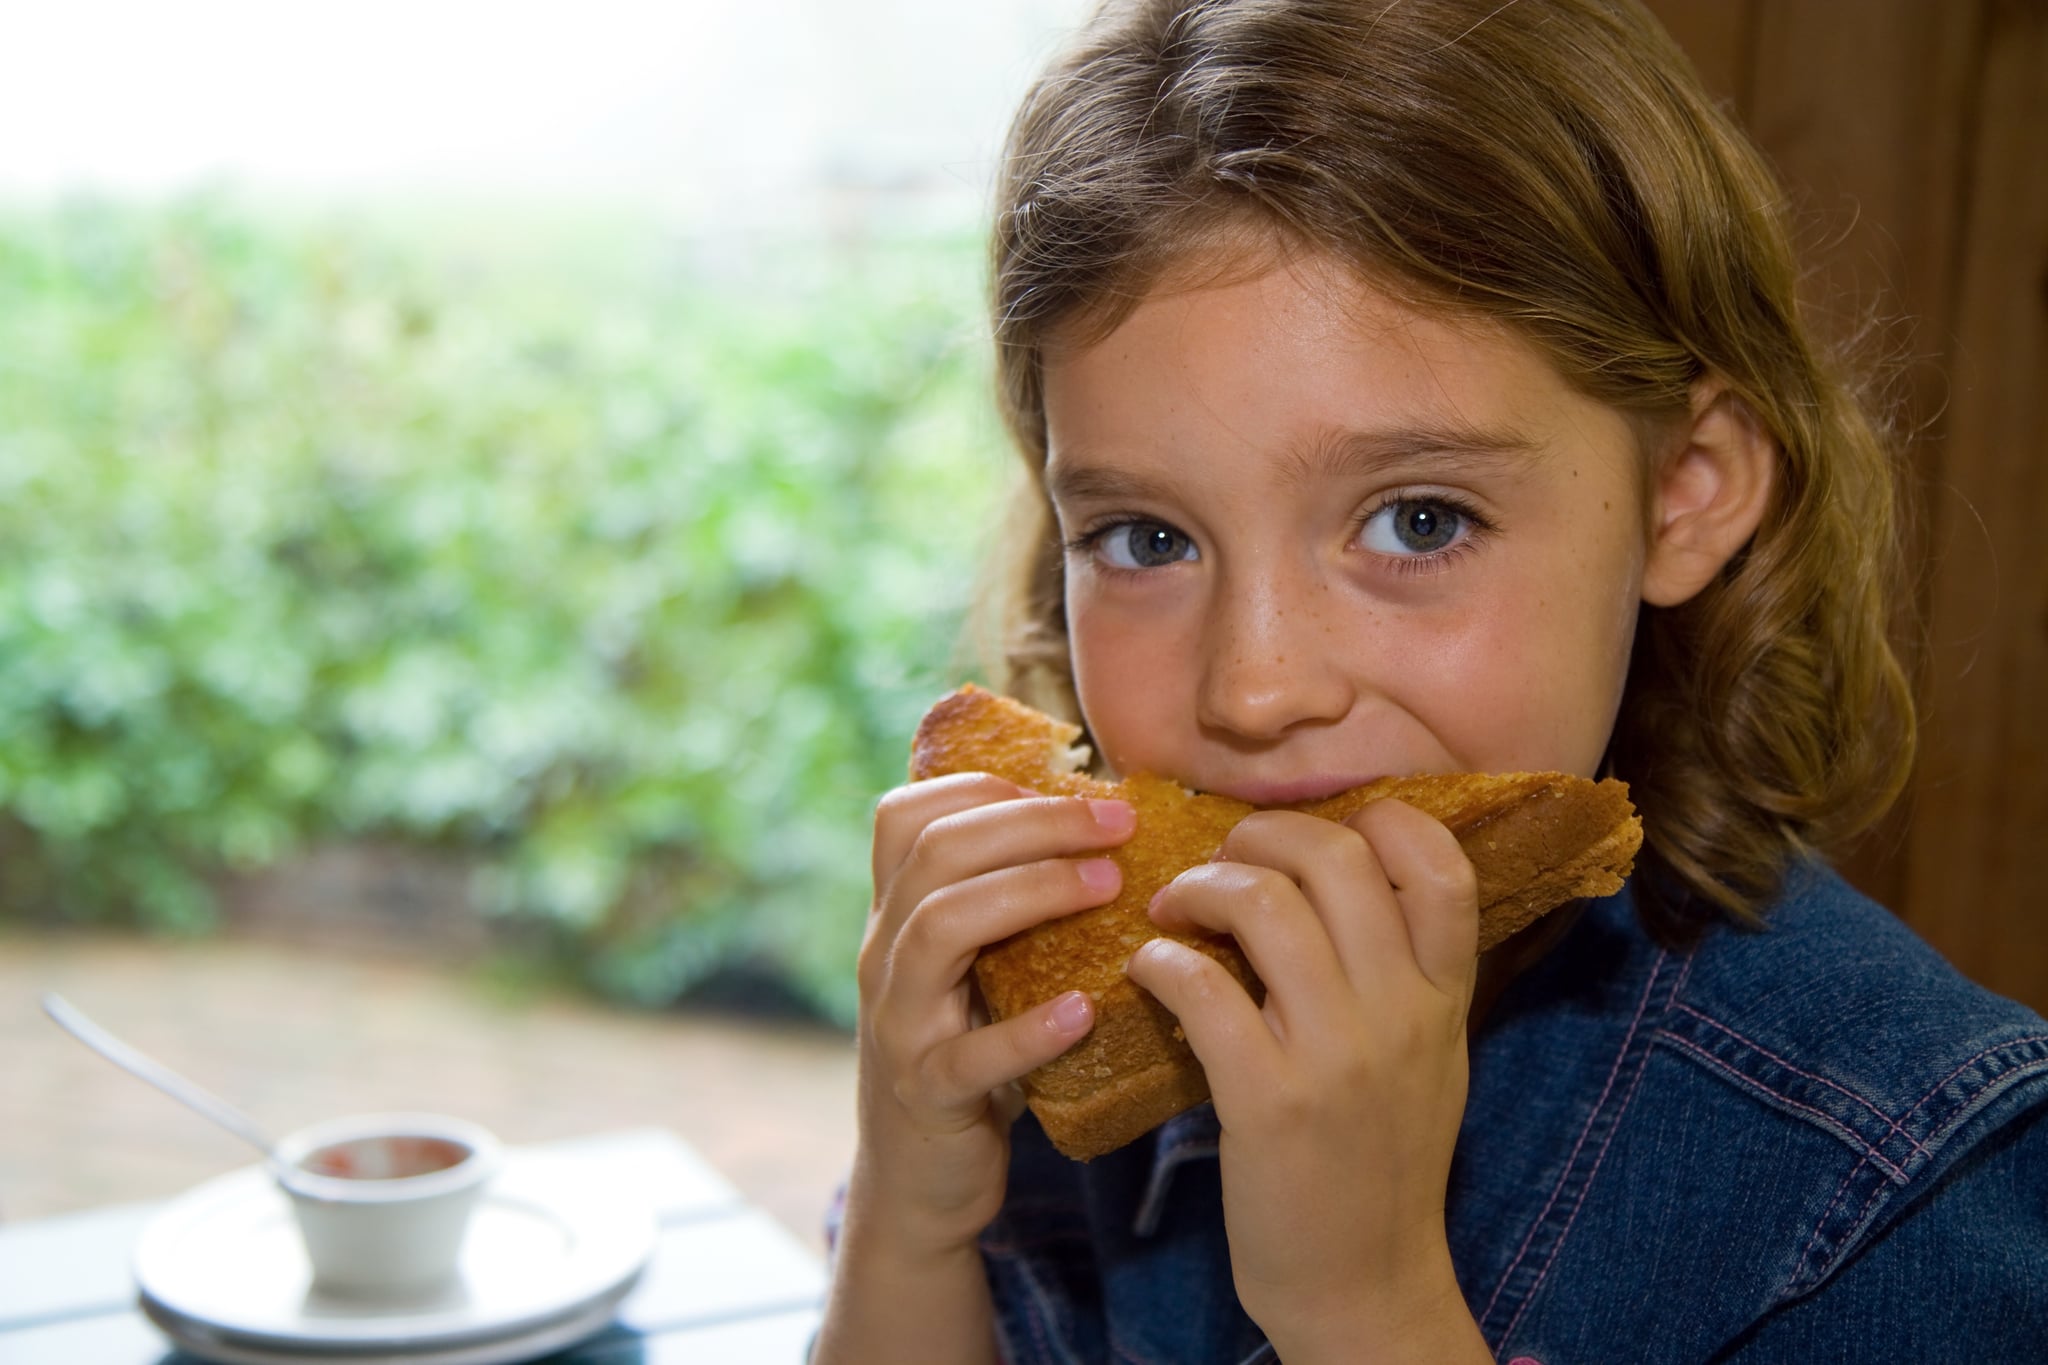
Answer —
1453 449
1069 481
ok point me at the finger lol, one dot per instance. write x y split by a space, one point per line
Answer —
901 815
1267 912
961 1073
943 933
1342 883
1223 1026
1435 887
981 838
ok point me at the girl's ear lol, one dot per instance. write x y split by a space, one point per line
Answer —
1708 495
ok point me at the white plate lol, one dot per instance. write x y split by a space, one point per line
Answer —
522 1346
225 1264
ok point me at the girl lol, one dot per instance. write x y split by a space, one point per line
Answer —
1407 387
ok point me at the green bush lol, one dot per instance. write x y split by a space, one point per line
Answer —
630 575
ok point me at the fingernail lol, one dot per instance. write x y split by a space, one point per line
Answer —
1117 817
1100 874
1154 948
1072 1012
1152 906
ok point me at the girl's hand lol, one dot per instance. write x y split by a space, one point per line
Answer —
961 862
1340 1097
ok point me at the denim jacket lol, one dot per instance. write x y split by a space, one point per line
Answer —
1813 1142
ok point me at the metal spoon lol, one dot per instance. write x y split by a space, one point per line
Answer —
191 1095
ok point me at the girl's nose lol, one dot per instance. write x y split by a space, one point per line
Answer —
1272 659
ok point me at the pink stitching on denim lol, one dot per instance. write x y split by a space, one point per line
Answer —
2018 1073
1813 1238
1150 1209
1036 1311
1995 1047
1834 1125
1642 1066
1572 1161
1038 1317
1124 1355
1754 1045
1863 1214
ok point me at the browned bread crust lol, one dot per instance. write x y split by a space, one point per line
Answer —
1536 841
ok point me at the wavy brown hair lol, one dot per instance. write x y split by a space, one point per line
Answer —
1553 166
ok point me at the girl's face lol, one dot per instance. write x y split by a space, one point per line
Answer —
1316 536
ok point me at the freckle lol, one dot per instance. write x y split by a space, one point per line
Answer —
1606 506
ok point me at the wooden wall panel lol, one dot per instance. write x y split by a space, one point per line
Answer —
1863 107
1977 862
1719 36
1912 138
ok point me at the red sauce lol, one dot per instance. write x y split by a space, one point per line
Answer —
385 1158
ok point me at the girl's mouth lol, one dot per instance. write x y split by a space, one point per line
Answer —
1291 793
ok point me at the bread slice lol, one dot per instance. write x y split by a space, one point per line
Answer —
1536 841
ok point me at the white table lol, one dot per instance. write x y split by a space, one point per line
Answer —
726 1284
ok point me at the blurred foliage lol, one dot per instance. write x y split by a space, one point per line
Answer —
626 569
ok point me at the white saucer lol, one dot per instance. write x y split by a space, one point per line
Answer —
223 1271
522 1346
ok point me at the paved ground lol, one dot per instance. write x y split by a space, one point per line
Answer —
298 1033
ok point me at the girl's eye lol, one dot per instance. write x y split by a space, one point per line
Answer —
1142 545
1414 526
